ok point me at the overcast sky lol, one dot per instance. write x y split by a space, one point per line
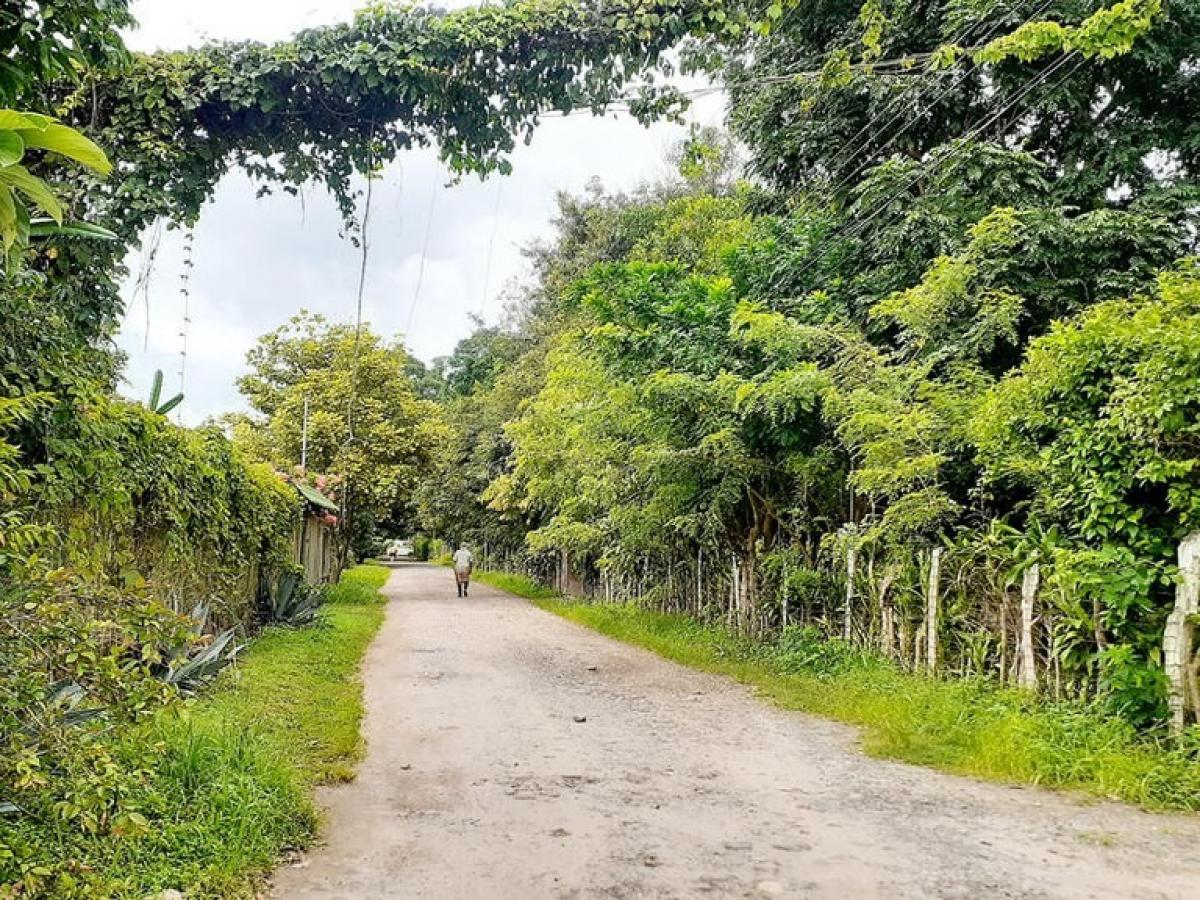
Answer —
258 261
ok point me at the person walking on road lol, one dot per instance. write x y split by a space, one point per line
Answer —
463 560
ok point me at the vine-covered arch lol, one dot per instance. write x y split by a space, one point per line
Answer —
346 98
338 99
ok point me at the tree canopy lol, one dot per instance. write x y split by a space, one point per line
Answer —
342 403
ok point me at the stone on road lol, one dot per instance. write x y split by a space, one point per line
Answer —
512 754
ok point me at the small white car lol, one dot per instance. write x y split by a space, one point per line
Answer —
398 549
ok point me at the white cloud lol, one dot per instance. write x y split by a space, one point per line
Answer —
258 261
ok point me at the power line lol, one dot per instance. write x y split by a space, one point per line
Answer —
352 397
412 309
963 76
906 65
852 230
963 142
487 272
364 244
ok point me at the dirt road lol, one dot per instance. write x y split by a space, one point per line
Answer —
515 756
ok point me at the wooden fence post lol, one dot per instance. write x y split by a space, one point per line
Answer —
783 600
887 616
1179 636
847 611
1026 664
931 610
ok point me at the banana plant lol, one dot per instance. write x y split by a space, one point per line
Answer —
156 403
20 189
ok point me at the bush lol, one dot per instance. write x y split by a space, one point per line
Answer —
807 649
423 547
359 585
200 798
69 677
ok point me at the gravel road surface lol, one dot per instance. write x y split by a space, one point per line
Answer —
515 756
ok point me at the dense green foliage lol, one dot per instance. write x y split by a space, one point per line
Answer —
52 40
953 318
366 426
769 403
210 792
114 520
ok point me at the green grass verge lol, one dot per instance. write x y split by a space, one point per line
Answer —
359 585
966 727
521 585
225 784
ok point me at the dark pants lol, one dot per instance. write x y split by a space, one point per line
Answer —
463 578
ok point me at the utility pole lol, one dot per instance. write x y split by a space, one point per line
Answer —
304 438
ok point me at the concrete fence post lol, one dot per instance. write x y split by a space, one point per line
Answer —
1179 636
1026 664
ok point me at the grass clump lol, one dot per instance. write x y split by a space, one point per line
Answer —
521 585
969 727
359 585
219 787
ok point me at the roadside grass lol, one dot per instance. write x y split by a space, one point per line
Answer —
513 582
225 782
359 585
521 585
968 727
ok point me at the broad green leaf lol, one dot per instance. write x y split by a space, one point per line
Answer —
156 388
33 188
8 217
12 148
69 143
48 228
11 120
17 250
169 405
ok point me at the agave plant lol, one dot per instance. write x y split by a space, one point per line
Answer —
192 672
191 667
61 707
289 600
64 697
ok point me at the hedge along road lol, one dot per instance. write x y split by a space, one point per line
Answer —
512 754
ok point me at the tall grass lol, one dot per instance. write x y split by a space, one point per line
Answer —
967 727
223 785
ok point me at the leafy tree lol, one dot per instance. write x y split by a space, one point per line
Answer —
365 425
1097 429
52 41
476 455
478 359
819 101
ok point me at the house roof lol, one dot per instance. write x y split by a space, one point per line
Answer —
315 497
